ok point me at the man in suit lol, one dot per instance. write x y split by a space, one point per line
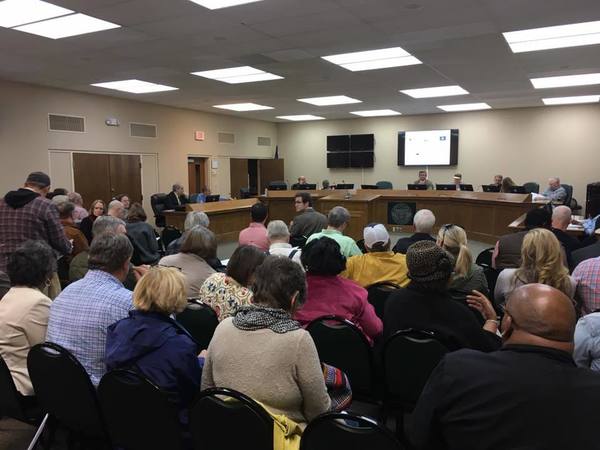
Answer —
561 218
530 394
176 199
300 184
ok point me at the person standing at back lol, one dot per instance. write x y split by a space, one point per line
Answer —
308 221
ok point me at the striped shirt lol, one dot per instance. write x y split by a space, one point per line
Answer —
587 275
80 315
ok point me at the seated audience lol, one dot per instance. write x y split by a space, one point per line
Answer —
191 220
176 199
587 342
467 275
4 284
150 342
124 198
507 183
507 252
541 262
424 221
80 212
587 277
337 221
74 234
199 245
425 304
256 233
561 218
24 309
142 236
528 395
555 192
116 209
308 221
97 209
329 294
82 312
264 353
423 179
58 195
590 251
225 292
279 238
379 264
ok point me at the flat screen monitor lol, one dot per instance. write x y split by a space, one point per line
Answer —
337 160
212 198
344 186
368 186
338 143
417 187
428 148
277 187
304 187
362 159
445 187
517 190
361 142
466 187
490 188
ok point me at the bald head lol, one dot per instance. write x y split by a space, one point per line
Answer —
561 217
540 315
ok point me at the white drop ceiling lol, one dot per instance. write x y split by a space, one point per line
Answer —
460 42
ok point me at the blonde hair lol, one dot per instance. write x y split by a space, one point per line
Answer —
161 289
541 261
453 239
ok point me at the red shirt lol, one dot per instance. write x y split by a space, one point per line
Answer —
255 234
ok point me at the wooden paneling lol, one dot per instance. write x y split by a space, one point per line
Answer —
91 174
270 170
126 176
239 175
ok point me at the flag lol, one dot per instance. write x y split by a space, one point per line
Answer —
276 152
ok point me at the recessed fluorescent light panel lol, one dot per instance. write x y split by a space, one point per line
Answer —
20 12
331 100
301 117
235 75
376 113
561 36
440 91
565 81
571 100
243 107
373 59
218 4
66 26
135 86
465 107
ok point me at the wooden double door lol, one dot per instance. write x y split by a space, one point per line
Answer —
104 176
255 174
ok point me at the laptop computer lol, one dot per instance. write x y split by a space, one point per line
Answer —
517 190
445 187
490 188
416 187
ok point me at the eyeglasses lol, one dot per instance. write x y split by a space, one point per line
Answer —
445 227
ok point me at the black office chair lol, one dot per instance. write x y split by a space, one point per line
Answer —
139 415
200 320
298 241
378 295
484 258
157 201
532 187
170 234
341 344
12 403
384 185
409 357
226 419
361 245
347 431
64 390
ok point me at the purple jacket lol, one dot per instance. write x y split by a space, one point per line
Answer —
341 297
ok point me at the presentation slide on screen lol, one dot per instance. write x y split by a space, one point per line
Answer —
422 148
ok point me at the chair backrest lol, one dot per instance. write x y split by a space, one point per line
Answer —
139 415
569 197
226 419
10 400
345 186
169 234
409 357
532 186
378 295
384 185
347 431
485 257
64 390
157 202
200 320
341 344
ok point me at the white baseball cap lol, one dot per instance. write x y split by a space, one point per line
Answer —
374 234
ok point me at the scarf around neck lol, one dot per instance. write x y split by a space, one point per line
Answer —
254 317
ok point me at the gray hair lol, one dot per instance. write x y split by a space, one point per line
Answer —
115 204
562 215
200 241
424 221
176 186
75 197
196 218
106 224
338 216
109 252
277 229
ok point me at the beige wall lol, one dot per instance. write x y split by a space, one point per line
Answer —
25 142
525 144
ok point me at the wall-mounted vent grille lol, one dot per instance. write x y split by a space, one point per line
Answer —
266 141
58 122
226 138
143 130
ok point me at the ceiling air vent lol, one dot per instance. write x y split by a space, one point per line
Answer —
143 130
266 141
58 122
226 138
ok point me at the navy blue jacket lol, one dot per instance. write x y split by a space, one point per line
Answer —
157 347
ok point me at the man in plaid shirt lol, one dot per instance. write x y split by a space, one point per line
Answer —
27 214
587 275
